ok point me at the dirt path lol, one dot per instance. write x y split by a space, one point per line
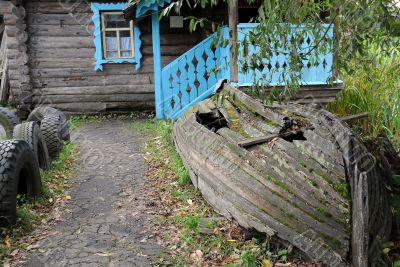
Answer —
105 222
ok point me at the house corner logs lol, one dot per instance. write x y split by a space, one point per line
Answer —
19 73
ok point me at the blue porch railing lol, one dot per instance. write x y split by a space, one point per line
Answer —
312 72
192 77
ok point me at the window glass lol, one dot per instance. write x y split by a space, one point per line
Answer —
115 21
117 36
125 40
111 41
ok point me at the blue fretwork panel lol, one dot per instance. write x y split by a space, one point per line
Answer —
191 77
313 72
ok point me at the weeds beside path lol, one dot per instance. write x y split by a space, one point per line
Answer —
43 212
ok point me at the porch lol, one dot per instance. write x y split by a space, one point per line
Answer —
192 76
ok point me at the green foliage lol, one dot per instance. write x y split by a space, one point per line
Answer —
191 223
374 88
77 121
53 180
25 218
248 259
282 254
164 136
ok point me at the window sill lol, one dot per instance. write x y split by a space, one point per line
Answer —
100 62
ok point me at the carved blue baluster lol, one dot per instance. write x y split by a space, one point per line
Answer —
175 90
184 83
191 75
200 82
167 89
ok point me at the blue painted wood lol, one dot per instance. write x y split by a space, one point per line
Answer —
191 77
155 24
149 5
313 73
96 9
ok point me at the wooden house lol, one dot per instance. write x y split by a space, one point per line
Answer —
83 57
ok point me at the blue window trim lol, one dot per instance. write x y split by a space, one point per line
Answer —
97 8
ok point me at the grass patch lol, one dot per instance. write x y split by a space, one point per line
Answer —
31 214
161 132
374 88
77 121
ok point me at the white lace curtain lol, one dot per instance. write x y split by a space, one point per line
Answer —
125 44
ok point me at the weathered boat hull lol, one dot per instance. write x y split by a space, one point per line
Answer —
296 188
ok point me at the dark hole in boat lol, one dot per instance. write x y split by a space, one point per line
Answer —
297 136
212 120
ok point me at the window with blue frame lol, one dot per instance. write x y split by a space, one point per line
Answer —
116 40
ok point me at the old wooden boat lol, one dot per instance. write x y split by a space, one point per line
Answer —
288 170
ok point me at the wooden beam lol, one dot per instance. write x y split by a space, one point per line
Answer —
233 21
267 138
354 117
258 141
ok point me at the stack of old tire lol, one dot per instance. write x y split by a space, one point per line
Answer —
29 146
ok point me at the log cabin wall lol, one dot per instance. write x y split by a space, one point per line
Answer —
14 17
61 59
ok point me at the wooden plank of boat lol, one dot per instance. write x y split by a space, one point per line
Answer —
268 138
296 189
355 117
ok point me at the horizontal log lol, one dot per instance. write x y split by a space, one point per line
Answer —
355 117
37 42
62 62
21 70
48 63
65 31
113 80
59 19
23 78
60 42
57 7
93 98
109 70
95 90
100 107
90 52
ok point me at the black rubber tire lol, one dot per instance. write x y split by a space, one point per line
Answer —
31 133
19 174
8 120
38 114
50 129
